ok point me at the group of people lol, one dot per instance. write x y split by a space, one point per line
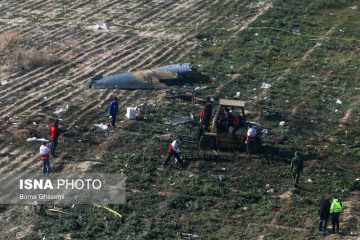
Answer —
331 209
327 208
48 149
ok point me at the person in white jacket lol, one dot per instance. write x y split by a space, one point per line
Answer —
174 150
250 140
45 157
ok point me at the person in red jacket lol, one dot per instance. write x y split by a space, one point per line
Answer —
55 132
174 150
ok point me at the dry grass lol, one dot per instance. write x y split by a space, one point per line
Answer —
8 39
27 60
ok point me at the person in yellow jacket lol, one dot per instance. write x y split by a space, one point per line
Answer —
335 210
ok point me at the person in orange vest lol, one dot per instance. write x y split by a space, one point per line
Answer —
55 132
45 157
174 150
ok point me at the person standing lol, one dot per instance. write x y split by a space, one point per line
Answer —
113 110
296 168
55 132
174 150
45 157
250 139
324 213
335 210
208 113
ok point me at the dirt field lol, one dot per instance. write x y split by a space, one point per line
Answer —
49 49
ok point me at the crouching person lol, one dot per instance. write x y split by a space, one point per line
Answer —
45 157
174 150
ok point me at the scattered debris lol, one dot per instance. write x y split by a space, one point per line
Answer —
109 209
4 82
267 185
221 178
282 123
131 113
180 120
34 139
56 209
188 236
188 96
271 191
296 31
245 208
237 95
101 27
309 181
58 111
103 127
338 101
200 88
265 85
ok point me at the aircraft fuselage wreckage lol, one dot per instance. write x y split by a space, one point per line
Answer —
155 78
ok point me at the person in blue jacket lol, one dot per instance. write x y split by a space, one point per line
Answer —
113 110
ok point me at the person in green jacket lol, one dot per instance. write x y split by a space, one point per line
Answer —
335 210
296 168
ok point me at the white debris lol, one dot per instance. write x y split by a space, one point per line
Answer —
256 34
104 127
101 27
237 94
131 113
58 111
3 83
34 139
270 190
336 110
265 85
267 185
282 123
353 7
34 123
172 184
245 208
338 101
358 179
67 106
286 101
45 98
309 181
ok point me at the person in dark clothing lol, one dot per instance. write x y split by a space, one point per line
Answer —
208 113
113 110
324 213
55 132
297 167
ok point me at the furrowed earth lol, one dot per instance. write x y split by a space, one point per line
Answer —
309 53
